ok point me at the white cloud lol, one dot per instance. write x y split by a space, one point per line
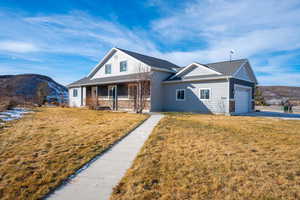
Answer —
18 47
74 33
254 29
248 27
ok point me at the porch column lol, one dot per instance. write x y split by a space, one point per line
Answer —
116 97
84 96
97 95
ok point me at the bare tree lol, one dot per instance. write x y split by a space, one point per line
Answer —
42 92
259 98
143 87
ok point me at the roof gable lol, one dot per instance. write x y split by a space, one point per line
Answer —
245 72
199 70
114 60
194 69
242 73
216 70
147 60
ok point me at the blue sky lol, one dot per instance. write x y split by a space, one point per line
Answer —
66 38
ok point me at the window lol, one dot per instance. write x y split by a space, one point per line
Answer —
75 92
204 94
108 69
180 95
123 66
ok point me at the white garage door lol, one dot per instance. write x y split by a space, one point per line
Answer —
242 100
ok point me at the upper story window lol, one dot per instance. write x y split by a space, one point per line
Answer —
123 66
205 94
180 95
108 69
75 92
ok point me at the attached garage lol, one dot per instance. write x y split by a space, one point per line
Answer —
242 97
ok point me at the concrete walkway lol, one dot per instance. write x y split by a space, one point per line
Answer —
98 180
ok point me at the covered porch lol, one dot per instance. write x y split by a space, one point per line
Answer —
128 96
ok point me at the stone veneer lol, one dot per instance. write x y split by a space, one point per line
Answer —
123 104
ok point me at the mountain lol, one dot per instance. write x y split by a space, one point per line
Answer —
277 94
31 88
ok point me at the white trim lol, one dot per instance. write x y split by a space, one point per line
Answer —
183 95
197 80
159 69
239 69
209 94
242 86
196 64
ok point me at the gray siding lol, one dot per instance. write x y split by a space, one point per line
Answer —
218 103
157 90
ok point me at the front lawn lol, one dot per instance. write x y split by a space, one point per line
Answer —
216 157
44 148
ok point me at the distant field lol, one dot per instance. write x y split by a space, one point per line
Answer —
41 150
196 157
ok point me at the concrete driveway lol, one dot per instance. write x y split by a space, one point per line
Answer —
271 114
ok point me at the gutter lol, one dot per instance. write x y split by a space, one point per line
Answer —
197 80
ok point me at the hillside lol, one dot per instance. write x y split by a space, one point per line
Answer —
30 88
276 94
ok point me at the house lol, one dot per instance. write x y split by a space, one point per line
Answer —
126 80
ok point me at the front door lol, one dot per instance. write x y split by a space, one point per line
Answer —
112 95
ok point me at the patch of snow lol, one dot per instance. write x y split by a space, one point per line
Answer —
15 113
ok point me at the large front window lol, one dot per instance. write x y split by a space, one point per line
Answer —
123 66
108 69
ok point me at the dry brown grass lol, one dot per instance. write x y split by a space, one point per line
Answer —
41 150
216 157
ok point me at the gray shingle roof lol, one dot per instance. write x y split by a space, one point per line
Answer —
227 68
111 79
154 62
